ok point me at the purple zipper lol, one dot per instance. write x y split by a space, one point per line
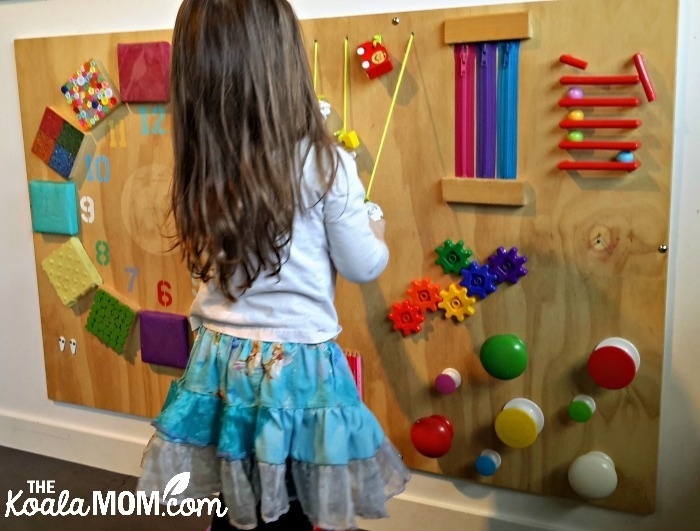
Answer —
465 64
486 110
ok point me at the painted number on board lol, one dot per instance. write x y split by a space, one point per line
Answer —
98 168
117 132
157 129
102 250
134 272
164 296
87 205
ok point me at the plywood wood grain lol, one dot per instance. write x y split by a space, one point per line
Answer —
595 270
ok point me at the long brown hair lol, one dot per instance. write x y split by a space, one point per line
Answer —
243 103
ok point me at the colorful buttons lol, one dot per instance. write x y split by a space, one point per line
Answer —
614 363
593 475
90 95
504 356
487 463
448 381
582 408
520 422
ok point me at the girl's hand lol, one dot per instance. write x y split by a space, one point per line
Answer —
378 227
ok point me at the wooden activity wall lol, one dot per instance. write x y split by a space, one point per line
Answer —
594 240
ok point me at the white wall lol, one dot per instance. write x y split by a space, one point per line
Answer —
28 420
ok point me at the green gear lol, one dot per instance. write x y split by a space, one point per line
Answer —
453 257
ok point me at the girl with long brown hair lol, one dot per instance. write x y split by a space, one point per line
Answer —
268 209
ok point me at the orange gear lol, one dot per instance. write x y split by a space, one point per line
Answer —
425 294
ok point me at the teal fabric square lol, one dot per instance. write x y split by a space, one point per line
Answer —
54 207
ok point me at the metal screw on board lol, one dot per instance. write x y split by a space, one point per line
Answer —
395 21
663 249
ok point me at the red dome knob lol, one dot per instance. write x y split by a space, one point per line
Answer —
432 436
614 363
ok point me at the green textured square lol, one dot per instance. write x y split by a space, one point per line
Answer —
70 138
110 320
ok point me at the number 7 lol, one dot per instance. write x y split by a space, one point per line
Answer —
134 271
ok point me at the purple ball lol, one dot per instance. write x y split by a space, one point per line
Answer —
575 93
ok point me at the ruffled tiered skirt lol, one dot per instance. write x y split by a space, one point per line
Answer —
264 423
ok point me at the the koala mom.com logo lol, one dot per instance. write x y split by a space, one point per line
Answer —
111 502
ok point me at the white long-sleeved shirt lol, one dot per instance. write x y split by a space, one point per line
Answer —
332 236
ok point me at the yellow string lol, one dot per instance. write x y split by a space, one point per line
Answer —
345 86
315 63
388 118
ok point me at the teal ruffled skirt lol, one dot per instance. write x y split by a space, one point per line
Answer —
264 423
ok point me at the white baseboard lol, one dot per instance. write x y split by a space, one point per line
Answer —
107 451
408 513
122 454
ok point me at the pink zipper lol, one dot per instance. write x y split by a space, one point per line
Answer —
465 68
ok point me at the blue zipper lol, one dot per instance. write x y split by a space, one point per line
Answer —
464 109
507 148
486 110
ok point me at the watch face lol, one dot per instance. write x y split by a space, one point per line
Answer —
99 164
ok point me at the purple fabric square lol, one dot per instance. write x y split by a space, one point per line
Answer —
165 339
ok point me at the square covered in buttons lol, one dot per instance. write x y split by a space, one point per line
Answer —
54 207
57 143
71 271
91 94
165 339
110 320
144 72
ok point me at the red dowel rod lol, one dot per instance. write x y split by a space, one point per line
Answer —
573 61
600 124
598 165
599 102
615 145
599 80
644 76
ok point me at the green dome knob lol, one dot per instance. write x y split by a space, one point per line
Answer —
504 356
582 408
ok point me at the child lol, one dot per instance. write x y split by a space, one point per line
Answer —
267 208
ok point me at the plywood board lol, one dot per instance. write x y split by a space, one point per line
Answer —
595 269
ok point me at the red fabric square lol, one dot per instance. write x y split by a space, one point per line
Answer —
144 72
43 146
51 123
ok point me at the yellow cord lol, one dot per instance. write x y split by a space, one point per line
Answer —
345 86
388 118
315 63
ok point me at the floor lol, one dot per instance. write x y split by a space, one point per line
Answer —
17 468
